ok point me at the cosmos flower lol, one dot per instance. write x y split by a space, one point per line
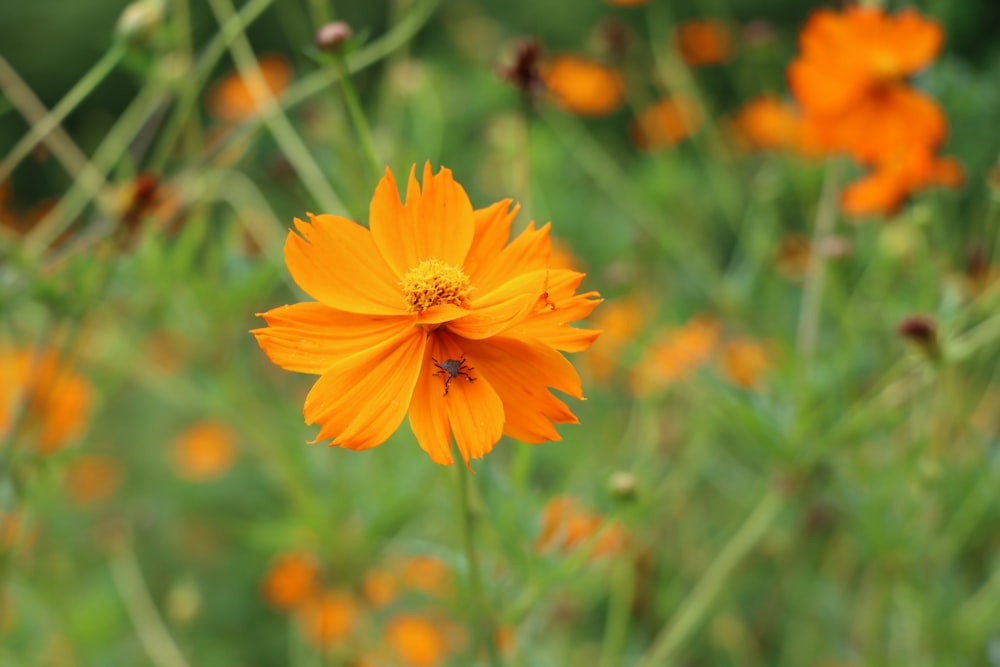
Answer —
849 80
666 123
583 86
55 400
704 42
430 313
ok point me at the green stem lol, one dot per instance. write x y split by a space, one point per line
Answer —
152 631
194 83
619 611
483 628
42 127
110 151
695 606
812 292
357 114
277 122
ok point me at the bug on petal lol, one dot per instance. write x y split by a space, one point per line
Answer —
451 369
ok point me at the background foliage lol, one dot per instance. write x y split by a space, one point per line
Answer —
838 508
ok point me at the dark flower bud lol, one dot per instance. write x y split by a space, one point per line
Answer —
523 74
921 330
331 37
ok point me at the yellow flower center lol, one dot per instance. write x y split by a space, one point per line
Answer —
433 282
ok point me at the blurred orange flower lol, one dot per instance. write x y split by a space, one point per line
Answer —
416 640
380 587
291 579
329 619
234 99
427 574
704 42
848 80
676 354
619 321
885 189
567 526
666 123
768 122
91 479
744 362
55 401
429 312
583 86
204 451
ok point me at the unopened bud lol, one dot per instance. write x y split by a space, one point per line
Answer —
622 485
921 330
331 37
140 20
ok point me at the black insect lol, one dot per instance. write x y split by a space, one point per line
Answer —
451 369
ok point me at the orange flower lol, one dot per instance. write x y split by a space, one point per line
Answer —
55 400
416 640
379 587
330 618
204 451
429 313
427 574
666 123
568 526
744 362
848 80
676 355
583 86
92 479
893 180
290 580
619 321
234 99
767 123
704 42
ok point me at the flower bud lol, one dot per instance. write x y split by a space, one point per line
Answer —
140 19
622 485
921 330
331 36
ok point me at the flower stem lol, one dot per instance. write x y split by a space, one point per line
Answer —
357 114
277 122
41 127
812 293
692 610
619 610
481 620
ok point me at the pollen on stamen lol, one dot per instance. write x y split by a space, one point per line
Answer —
433 282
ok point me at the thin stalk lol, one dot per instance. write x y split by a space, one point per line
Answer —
619 611
812 291
358 118
691 612
195 81
152 631
277 122
41 127
115 143
483 628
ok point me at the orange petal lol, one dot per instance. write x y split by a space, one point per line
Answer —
530 251
435 223
471 409
549 323
501 308
492 232
520 372
335 261
310 337
363 398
